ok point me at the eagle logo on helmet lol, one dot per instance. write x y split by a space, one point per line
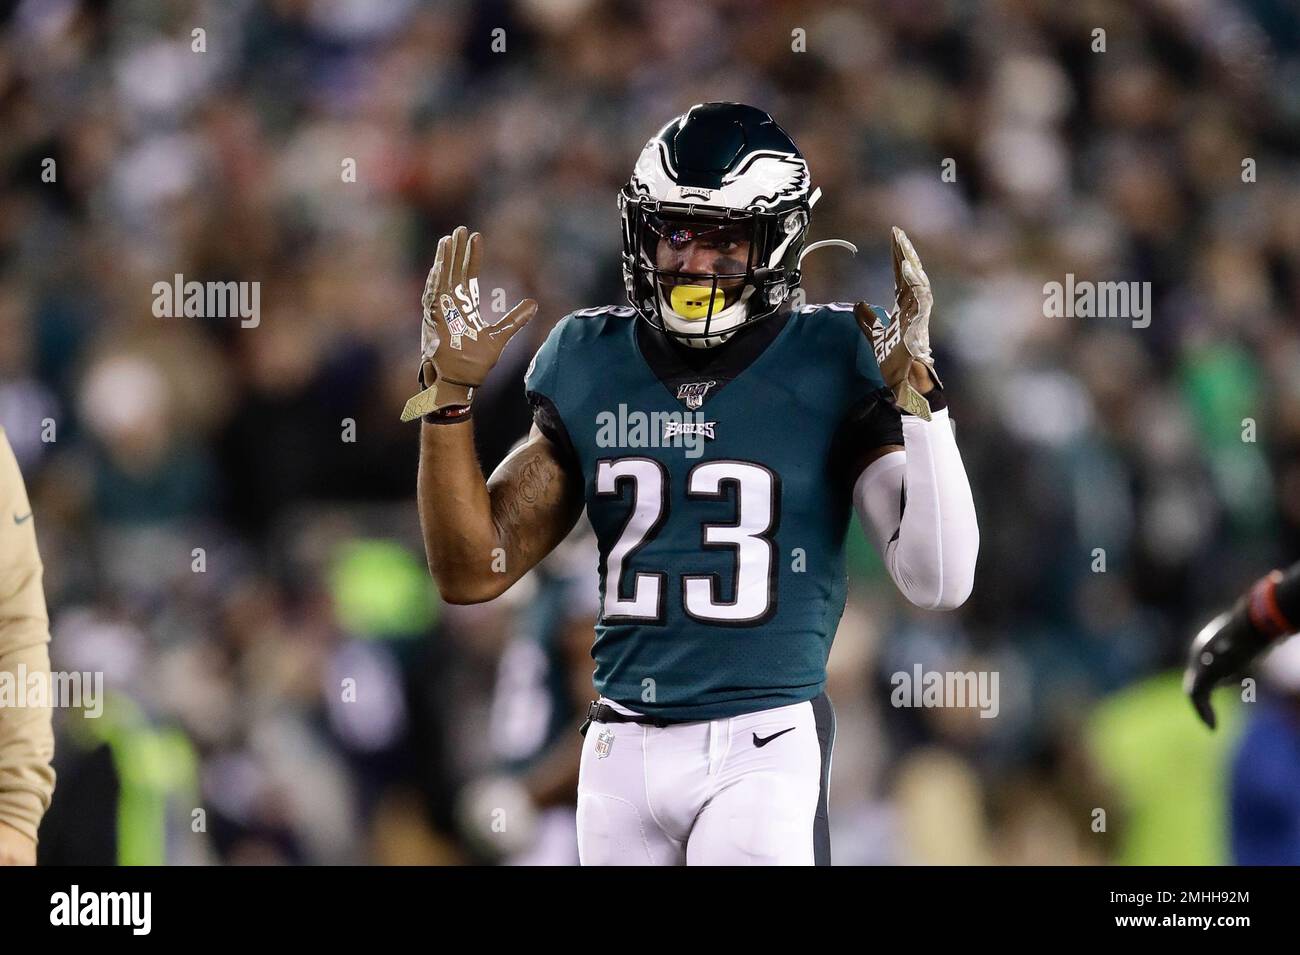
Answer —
765 180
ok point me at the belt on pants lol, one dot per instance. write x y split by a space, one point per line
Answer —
599 712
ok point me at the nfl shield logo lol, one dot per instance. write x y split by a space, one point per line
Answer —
693 393
604 743
456 324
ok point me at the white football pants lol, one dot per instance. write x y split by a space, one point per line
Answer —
748 790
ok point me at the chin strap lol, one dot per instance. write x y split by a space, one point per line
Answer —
842 243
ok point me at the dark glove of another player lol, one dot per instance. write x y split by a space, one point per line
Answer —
1223 649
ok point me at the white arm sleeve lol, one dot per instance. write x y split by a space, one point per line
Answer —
929 546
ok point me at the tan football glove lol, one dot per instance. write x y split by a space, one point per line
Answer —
457 348
906 337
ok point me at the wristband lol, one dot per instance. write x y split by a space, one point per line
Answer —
448 415
1262 609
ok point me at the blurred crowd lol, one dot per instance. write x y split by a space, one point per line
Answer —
226 513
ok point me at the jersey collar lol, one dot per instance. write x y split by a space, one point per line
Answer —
675 364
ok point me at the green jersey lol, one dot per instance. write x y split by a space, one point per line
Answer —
718 483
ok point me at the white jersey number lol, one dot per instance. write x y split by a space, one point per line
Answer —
649 480
755 489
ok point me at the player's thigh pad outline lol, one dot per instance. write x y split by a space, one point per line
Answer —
768 806
764 818
616 825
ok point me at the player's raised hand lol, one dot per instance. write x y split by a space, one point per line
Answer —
457 348
905 338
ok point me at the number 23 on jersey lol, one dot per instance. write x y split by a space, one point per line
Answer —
756 491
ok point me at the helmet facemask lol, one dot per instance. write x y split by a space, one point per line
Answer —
704 309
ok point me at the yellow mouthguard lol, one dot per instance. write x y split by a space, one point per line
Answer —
692 301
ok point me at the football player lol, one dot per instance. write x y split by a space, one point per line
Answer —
1263 616
26 731
720 434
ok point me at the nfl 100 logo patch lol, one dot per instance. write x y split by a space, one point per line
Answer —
604 743
694 392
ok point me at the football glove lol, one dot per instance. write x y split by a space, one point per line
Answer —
906 336
1227 644
457 349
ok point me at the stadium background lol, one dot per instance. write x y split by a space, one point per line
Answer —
1079 434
